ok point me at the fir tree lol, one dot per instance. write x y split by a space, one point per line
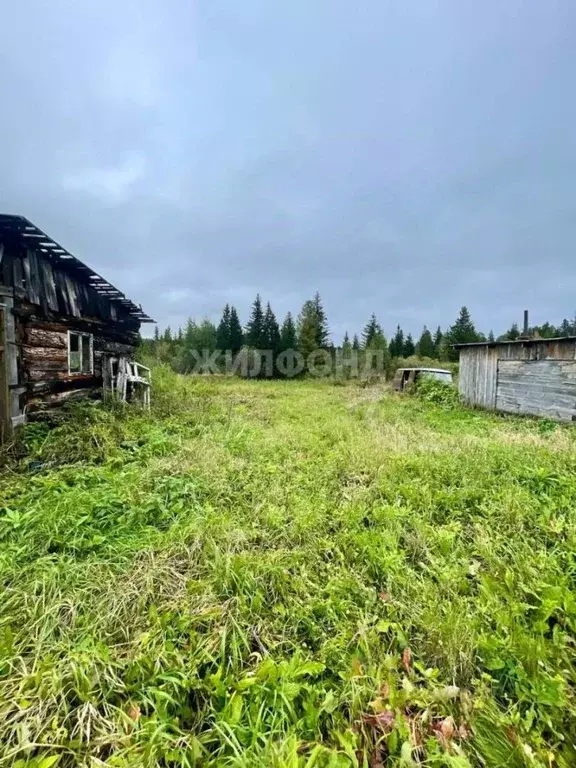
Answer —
156 333
462 332
206 336
408 349
236 337
377 344
322 334
308 329
346 345
355 343
438 336
271 333
255 330
397 343
491 336
513 332
190 334
426 344
371 328
288 334
168 335
223 332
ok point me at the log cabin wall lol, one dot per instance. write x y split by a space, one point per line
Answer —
48 301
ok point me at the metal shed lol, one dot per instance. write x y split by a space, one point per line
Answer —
532 376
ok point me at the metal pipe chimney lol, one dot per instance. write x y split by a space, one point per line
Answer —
525 322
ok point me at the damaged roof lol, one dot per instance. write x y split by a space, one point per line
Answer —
33 237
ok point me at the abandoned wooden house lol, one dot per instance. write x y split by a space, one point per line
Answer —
65 332
530 375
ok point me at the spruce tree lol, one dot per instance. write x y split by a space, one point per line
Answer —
438 336
346 345
355 343
288 338
236 337
513 332
408 349
190 334
308 329
491 336
322 333
371 328
223 332
255 329
462 332
168 335
397 343
206 335
425 344
156 333
271 335
377 344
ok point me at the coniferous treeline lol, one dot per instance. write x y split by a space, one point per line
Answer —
309 332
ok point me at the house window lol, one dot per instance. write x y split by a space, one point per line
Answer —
80 357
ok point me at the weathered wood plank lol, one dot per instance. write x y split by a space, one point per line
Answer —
49 285
537 387
33 282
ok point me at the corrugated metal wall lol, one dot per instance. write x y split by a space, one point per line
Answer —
537 378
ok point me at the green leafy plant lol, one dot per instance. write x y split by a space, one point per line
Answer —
294 574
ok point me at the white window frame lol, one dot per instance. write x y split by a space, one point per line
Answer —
81 372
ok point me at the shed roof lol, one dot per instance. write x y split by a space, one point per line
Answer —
428 370
31 235
514 341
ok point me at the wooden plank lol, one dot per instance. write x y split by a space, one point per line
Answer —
49 285
72 290
18 272
34 283
537 387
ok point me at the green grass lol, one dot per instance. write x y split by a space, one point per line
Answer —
288 574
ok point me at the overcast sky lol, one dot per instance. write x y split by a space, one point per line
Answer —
400 157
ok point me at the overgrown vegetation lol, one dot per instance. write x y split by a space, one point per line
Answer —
288 574
436 391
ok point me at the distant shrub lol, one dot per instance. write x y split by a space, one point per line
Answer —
438 392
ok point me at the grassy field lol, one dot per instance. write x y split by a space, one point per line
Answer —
288 574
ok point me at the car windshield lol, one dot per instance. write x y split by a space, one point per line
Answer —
441 375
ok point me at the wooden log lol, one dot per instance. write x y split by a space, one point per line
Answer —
56 366
37 336
33 354
34 388
35 374
55 399
112 347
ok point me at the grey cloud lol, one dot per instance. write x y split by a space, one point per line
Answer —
402 158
